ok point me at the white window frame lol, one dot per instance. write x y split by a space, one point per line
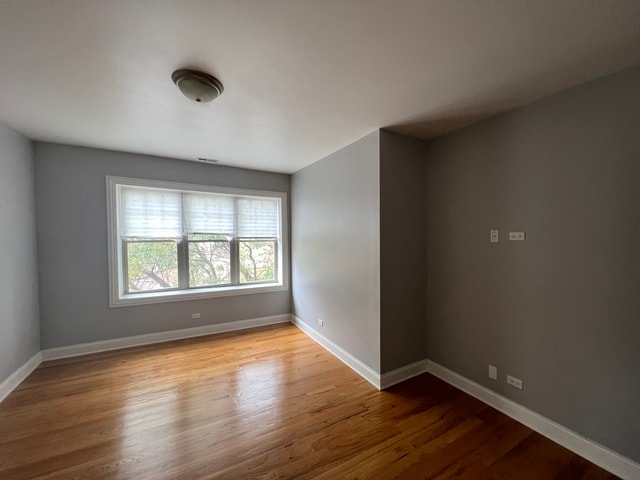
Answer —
117 295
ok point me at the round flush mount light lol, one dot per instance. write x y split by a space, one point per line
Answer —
197 86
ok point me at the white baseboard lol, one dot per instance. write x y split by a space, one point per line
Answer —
352 362
611 461
159 337
403 373
17 377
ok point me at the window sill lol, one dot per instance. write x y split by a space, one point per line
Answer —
183 295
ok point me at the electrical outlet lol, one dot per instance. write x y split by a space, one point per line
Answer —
515 382
321 322
493 372
195 315
494 236
518 236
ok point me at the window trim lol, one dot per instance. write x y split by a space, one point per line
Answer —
118 298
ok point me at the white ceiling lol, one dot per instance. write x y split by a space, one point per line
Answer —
302 78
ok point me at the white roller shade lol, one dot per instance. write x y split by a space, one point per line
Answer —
257 217
208 213
160 213
150 213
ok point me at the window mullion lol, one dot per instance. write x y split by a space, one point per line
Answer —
183 262
125 266
235 262
276 260
235 255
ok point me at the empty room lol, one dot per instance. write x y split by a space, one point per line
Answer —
320 239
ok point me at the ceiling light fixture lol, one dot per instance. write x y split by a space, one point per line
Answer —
197 86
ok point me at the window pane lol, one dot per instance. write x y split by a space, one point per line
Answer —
209 263
257 217
152 266
257 260
208 212
150 213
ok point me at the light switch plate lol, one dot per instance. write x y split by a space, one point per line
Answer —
494 236
517 236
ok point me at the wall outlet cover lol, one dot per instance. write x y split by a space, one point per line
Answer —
493 372
515 382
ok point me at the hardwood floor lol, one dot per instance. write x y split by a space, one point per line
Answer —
262 403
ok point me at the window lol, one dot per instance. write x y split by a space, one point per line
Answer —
171 241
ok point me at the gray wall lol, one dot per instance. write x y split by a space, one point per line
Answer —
562 309
19 330
72 246
336 248
403 257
